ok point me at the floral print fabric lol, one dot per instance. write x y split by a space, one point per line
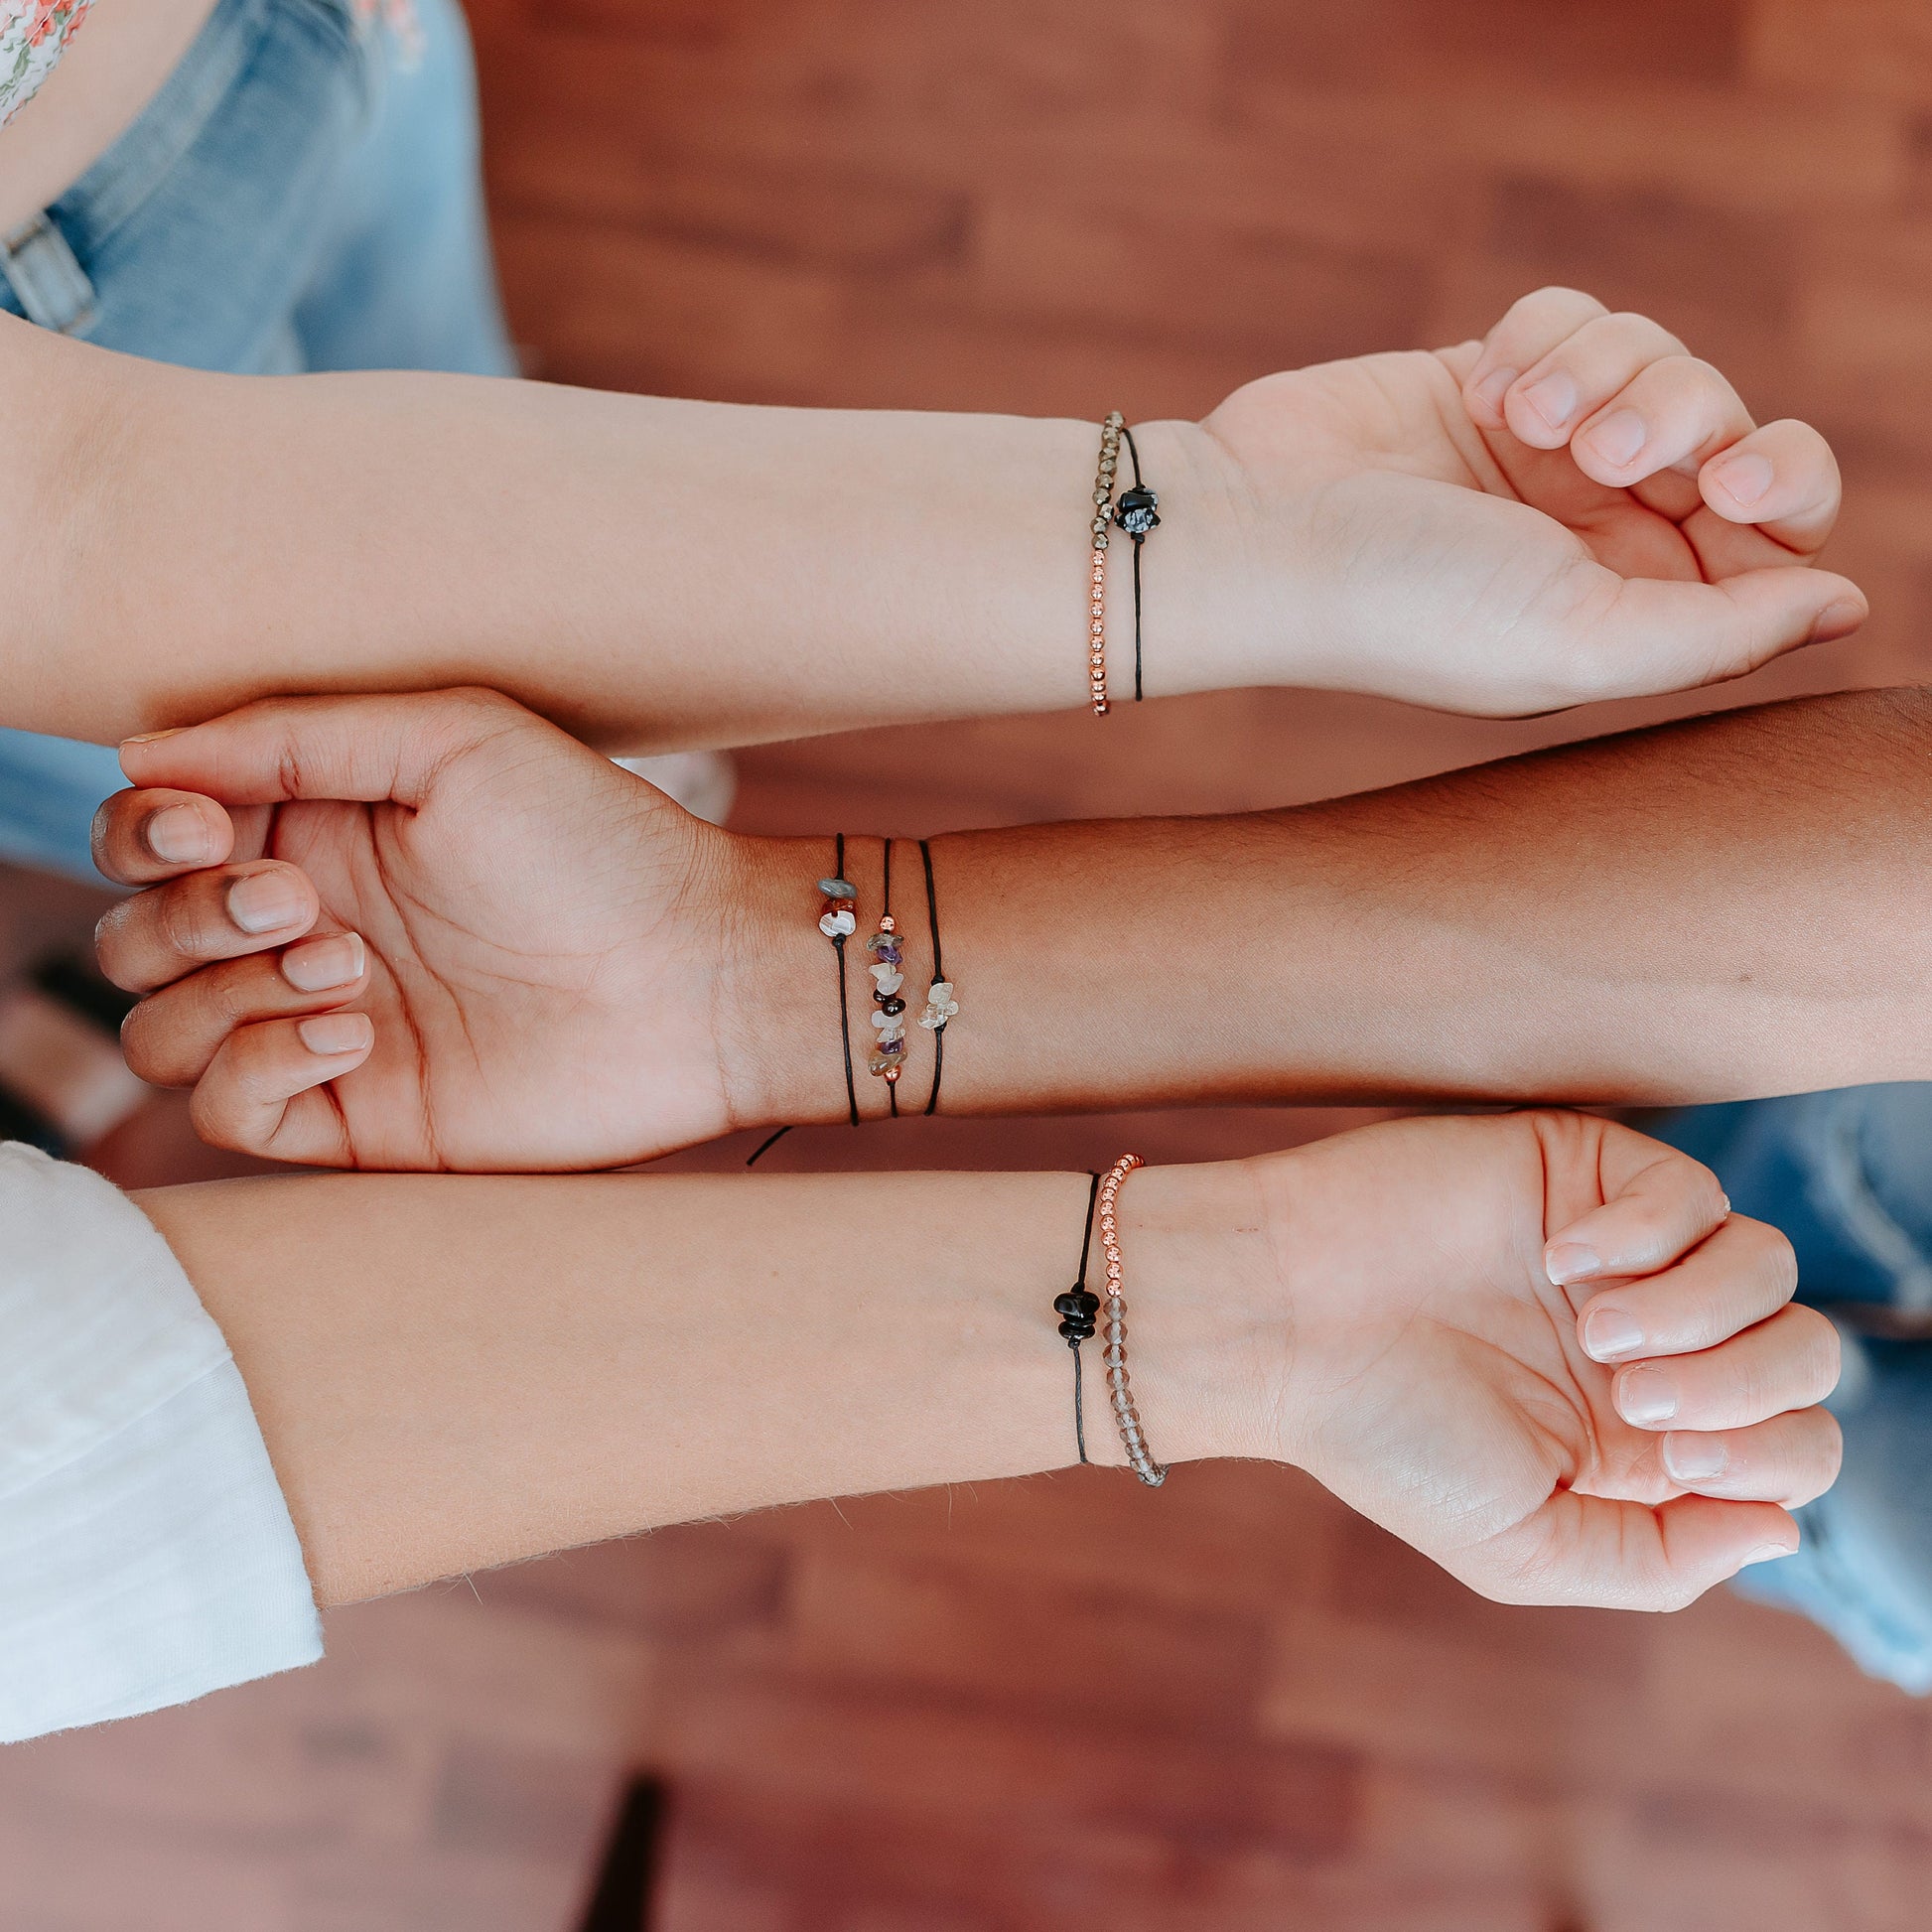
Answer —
31 36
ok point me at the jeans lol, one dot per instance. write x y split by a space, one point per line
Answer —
1847 1176
298 196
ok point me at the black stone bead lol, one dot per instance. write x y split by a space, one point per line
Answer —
1136 513
894 1004
1077 1301
1075 1330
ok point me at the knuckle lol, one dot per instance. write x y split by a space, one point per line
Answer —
214 1120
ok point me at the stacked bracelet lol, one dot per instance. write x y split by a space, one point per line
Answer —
888 1057
1076 1309
1133 1441
1103 506
839 922
940 1006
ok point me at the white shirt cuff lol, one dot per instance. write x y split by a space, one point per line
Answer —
146 1553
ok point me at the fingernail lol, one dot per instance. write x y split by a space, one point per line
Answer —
1618 436
1554 398
316 965
1494 387
154 738
1837 619
1745 479
1571 1261
1610 1334
1644 1397
1771 1552
260 901
179 835
329 1033
1694 1458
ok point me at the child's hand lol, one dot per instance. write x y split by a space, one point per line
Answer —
1574 508
1628 1438
510 953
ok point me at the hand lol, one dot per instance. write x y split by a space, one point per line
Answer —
1629 1437
419 932
1574 508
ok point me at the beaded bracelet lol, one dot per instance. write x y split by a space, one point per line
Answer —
1115 1353
940 1006
1103 505
888 1057
839 922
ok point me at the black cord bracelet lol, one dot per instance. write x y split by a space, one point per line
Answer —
1137 512
940 1006
1077 1308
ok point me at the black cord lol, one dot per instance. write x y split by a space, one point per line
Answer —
1076 1309
886 895
845 1016
845 1007
938 973
1140 537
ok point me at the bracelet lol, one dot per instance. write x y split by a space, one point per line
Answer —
1103 504
888 1057
1137 513
1115 1353
940 1006
1076 1309
839 922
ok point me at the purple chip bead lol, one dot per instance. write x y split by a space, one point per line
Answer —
892 1049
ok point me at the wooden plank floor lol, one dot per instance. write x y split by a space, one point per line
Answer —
1066 1703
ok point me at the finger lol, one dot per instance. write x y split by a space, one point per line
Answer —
1782 477
1579 1548
1674 412
1786 1363
259 1095
1662 1203
1553 397
1789 1460
1648 634
366 749
155 937
1533 327
141 836
1741 1276
171 1037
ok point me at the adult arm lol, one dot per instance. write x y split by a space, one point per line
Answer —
655 573
450 1372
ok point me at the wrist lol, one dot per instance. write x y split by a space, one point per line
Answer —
783 1051
1208 1324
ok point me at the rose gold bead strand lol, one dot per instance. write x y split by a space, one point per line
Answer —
1126 1416
1103 500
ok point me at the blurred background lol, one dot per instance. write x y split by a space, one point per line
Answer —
1069 1702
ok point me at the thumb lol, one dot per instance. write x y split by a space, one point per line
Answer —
366 749
1663 635
1661 1204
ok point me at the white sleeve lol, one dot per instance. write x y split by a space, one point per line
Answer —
146 1553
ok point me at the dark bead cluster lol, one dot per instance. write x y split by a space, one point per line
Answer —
1136 513
1077 1308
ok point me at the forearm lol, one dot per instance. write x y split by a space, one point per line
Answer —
1708 912
650 573
451 1373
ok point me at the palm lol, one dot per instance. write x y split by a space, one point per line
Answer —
510 971
1452 1401
1462 559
